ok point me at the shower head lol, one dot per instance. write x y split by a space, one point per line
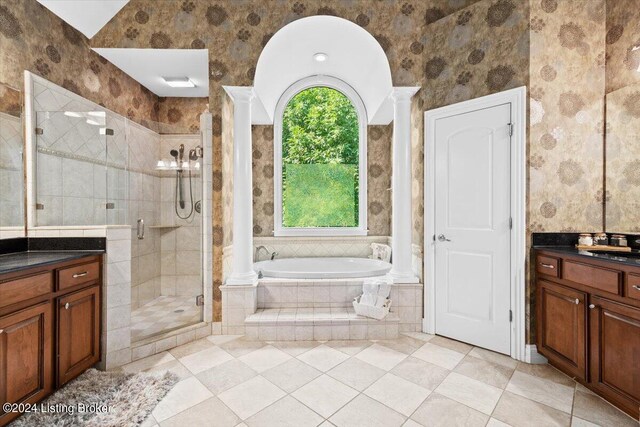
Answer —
174 154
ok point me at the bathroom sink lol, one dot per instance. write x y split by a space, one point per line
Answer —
618 254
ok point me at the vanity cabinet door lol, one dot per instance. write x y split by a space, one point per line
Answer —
562 330
26 354
615 352
78 333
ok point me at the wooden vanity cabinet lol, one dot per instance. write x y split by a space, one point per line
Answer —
49 328
588 324
562 327
26 354
78 331
615 352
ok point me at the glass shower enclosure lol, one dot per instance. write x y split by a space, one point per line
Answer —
96 169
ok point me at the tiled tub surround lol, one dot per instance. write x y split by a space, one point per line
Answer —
280 309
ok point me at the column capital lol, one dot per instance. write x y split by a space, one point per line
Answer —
403 93
240 93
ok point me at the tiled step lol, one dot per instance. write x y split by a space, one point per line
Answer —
301 324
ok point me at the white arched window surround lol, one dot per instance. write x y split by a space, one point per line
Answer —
352 95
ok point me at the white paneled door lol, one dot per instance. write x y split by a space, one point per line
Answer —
472 227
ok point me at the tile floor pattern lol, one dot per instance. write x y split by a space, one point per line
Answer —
414 380
163 314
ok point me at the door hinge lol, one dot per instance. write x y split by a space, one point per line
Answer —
510 316
200 300
510 129
39 131
510 223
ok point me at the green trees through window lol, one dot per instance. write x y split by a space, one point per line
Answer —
320 150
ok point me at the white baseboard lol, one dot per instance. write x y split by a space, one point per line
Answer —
532 356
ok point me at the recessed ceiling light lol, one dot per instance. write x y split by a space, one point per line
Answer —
320 57
179 81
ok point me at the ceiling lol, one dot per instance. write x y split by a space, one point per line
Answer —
149 66
353 56
86 16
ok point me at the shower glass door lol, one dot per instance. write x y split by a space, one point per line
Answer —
166 250
71 161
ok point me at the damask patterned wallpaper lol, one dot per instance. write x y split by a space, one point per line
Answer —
32 38
623 43
180 115
479 50
10 101
566 115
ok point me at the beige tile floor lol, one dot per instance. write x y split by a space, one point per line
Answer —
416 380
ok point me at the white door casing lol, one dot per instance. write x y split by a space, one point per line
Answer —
474 188
472 227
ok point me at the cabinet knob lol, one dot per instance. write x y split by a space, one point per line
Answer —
636 287
577 301
1 331
592 306
66 306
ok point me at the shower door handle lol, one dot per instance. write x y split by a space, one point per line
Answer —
140 228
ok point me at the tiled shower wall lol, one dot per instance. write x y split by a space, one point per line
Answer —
11 175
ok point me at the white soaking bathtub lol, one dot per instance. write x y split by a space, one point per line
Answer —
322 268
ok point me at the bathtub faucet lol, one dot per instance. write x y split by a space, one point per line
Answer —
273 255
261 248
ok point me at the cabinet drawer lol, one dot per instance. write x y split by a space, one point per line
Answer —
548 265
25 288
604 279
77 275
633 286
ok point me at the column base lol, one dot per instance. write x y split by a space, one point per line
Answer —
404 277
249 278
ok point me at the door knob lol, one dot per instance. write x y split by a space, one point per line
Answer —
443 238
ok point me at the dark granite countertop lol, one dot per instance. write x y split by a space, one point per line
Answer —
23 260
633 260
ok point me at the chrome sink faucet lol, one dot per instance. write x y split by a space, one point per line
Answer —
273 255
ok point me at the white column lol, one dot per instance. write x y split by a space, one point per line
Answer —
242 273
402 265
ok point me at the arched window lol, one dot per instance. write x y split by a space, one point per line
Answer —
320 160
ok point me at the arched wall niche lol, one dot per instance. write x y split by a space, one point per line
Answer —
353 55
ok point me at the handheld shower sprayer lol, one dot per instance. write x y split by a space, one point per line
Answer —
193 155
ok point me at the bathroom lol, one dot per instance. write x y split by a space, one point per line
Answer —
156 138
